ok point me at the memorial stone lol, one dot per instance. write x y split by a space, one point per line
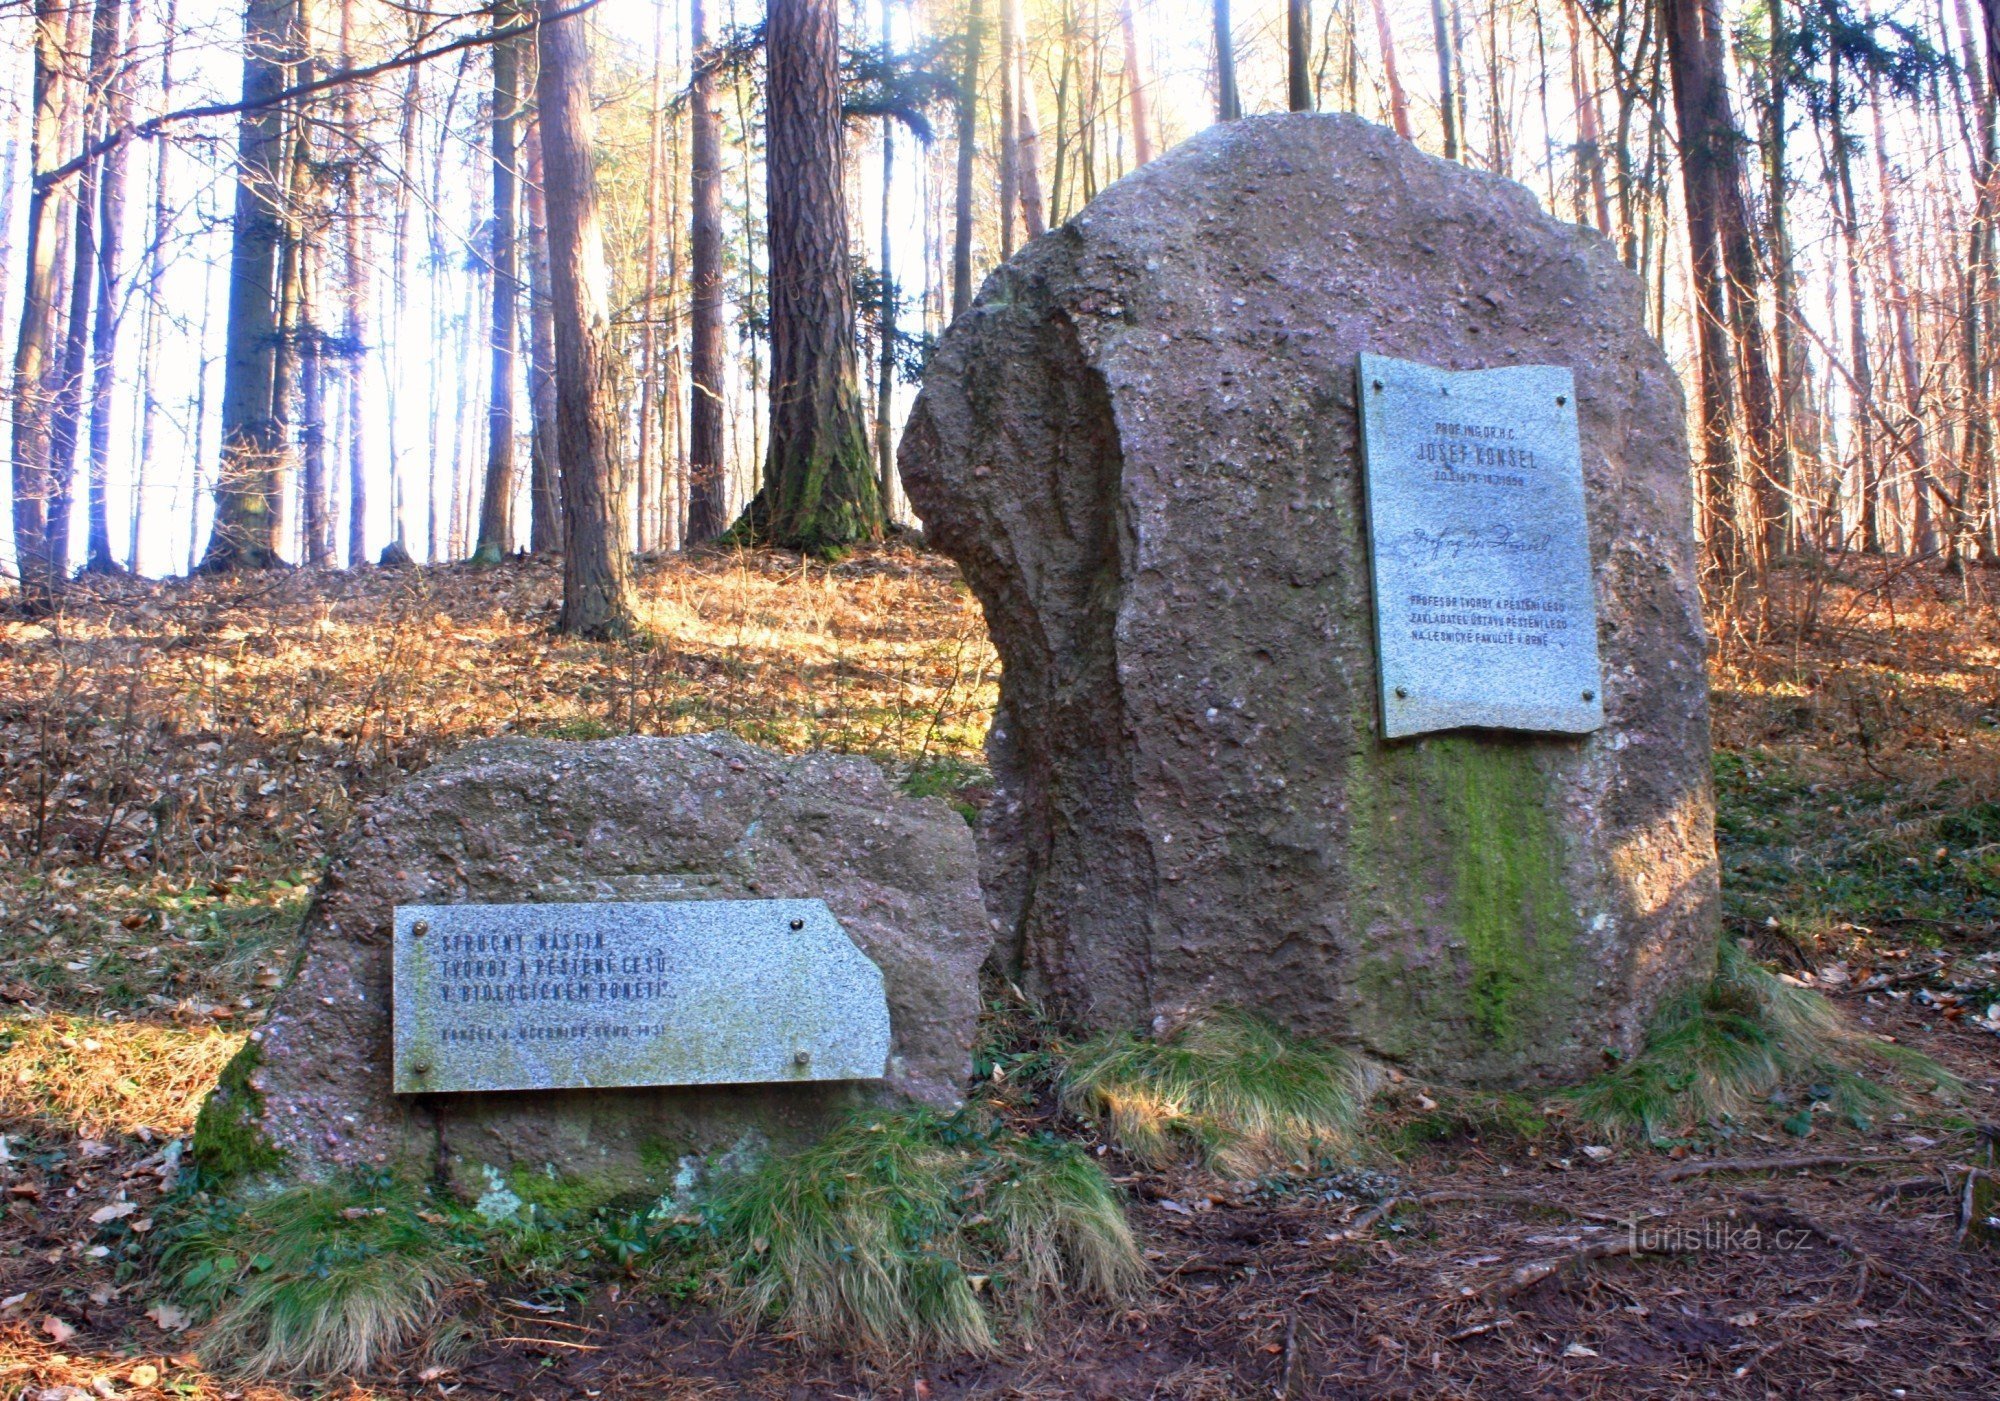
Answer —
1143 444
791 936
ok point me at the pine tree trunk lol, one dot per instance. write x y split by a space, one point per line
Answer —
66 422
1135 83
354 299
504 262
597 590
1298 54
162 227
707 486
1034 218
1399 101
1916 441
885 360
545 450
247 480
1447 102
41 574
98 558
1862 371
819 490
1010 129
1228 104
968 129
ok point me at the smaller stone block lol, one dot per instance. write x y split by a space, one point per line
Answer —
595 996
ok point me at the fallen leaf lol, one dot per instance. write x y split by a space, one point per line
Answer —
1596 1152
1861 1323
1743 1320
1579 1350
112 1212
145 1374
168 1318
58 1331
12 1302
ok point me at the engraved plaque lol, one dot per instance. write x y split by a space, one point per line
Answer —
1485 613
683 992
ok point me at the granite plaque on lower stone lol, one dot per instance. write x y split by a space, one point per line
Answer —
596 995
1485 611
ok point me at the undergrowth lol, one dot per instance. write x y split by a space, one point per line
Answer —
318 1281
903 1231
1747 1039
1229 1088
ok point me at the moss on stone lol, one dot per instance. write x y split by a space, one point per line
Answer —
1457 835
229 1138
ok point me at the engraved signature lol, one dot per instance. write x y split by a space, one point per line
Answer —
1461 541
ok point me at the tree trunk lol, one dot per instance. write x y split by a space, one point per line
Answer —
885 360
707 488
354 296
1298 54
819 490
545 448
1028 158
1447 68
41 574
968 128
1787 323
98 558
1135 83
1589 142
1399 101
1228 104
597 589
1861 365
246 480
1010 129
497 503
67 420
1982 285
1697 80
1916 441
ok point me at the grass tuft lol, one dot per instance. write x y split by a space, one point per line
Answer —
1749 1038
1231 1088
905 1231
319 1281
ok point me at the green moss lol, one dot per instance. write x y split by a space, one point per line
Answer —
1458 834
229 1139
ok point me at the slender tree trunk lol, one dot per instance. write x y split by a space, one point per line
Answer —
354 296
707 484
1447 67
162 226
247 480
1589 142
1786 321
1228 103
597 589
1861 362
1136 82
67 421
497 503
1980 512
545 450
1010 128
1399 101
819 490
315 481
1916 440
1034 216
41 574
885 366
651 517
98 557
968 128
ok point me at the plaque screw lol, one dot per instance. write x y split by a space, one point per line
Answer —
1402 693
802 1058
422 1067
1590 695
1378 386
420 928
1561 399
798 924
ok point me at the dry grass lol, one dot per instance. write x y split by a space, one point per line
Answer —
94 1078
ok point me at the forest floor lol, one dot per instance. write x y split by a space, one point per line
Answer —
176 758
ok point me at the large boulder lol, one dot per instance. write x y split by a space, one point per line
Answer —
504 821
1142 447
